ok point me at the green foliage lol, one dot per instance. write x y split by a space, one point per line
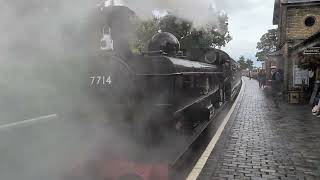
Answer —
205 38
214 34
219 31
177 26
145 30
267 44
242 62
245 63
249 62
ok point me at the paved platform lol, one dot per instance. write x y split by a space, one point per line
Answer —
263 142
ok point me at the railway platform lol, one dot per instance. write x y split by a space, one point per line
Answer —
263 142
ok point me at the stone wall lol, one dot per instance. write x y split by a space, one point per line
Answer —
296 25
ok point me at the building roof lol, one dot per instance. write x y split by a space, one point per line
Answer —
276 12
307 43
276 53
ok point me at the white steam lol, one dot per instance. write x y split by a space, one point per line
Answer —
196 11
42 73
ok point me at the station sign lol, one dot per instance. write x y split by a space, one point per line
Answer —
312 50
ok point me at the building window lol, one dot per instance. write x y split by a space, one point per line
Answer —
310 21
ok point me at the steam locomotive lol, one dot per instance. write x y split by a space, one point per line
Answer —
162 88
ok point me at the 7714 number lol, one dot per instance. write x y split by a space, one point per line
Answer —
101 80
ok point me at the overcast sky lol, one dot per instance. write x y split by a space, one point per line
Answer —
249 20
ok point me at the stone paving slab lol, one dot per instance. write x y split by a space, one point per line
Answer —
262 142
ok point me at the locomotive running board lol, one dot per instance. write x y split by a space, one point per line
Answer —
201 98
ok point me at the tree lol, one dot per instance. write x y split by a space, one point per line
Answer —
145 30
179 27
212 35
245 63
267 44
220 30
249 63
242 62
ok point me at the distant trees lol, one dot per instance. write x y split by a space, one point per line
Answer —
249 62
245 63
242 62
267 44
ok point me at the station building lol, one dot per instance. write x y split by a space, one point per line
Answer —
298 54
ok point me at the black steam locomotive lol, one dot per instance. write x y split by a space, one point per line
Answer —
161 88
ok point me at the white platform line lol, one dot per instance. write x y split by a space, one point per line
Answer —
205 155
28 121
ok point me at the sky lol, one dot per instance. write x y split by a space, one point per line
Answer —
248 21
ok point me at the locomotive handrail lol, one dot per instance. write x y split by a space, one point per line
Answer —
194 102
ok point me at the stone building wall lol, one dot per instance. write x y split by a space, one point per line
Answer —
296 27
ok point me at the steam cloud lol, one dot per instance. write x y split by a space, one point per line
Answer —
41 73
196 11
